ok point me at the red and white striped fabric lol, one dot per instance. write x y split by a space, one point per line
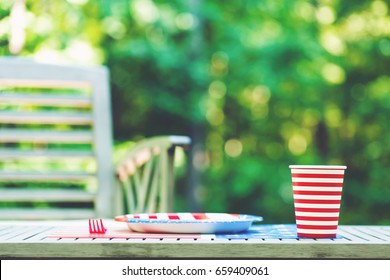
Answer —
317 193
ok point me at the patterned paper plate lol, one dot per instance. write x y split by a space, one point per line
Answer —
188 222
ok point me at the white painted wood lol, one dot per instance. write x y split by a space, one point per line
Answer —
51 213
42 99
48 108
18 154
46 195
45 136
375 233
357 233
102 133
42 117
41 176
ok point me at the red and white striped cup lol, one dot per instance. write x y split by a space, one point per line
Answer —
317 193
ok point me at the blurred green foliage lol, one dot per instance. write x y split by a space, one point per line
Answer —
258 85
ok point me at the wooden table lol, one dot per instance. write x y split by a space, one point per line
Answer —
31 240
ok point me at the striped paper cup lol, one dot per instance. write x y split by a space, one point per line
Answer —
317 196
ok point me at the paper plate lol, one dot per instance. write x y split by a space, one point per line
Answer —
188 222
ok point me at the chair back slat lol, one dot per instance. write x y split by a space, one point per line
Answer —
14 154
47 213
49 195
42 99
45 136
45 118
49 176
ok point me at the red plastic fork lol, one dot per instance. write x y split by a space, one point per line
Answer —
96 226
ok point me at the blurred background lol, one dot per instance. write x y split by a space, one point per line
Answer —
257 85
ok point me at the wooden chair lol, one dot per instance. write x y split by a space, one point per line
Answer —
145 175
55 141
56 148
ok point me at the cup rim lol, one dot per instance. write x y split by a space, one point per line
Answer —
318 166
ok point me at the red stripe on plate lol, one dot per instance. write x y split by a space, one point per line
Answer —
200 216
310 218
136 216
302 175
316 184
152 216
317 193
316 227
173 217
317 201
319 210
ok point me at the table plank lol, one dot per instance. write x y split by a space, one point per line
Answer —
361 233
385 234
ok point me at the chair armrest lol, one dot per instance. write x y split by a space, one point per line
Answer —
153 143
145 175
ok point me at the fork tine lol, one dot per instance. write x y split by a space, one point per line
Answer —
96 226
102 228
